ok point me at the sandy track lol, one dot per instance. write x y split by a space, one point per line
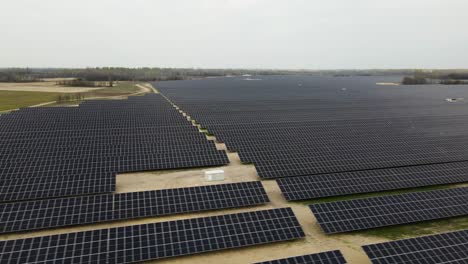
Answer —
143 90
148 87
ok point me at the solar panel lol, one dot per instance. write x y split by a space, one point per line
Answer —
18 189
435 249
133 163
328 257
320 165
40 214
326 185
333 147
156 240
58 154
352 215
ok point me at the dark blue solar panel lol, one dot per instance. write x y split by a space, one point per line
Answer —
157 240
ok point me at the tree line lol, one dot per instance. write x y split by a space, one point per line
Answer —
105 74
108 74
436 77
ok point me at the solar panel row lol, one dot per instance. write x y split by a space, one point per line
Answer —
425 121
337 147
95 155
176 129
156 240
38 161
359 214
435 249
80 148
127 163
320 165
109 139
30 215
17 189
344 183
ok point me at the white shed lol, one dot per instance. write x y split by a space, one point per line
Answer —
214 175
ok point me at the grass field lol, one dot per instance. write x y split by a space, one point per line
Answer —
10 100
418 229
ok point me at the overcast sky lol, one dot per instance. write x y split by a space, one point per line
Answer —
299 34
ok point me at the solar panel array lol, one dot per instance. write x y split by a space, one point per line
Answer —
344 183
60 151
359 214
157 240
315 136
328 257
30 215
290 126
435 249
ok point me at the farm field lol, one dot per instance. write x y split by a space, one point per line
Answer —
310 164
48 85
